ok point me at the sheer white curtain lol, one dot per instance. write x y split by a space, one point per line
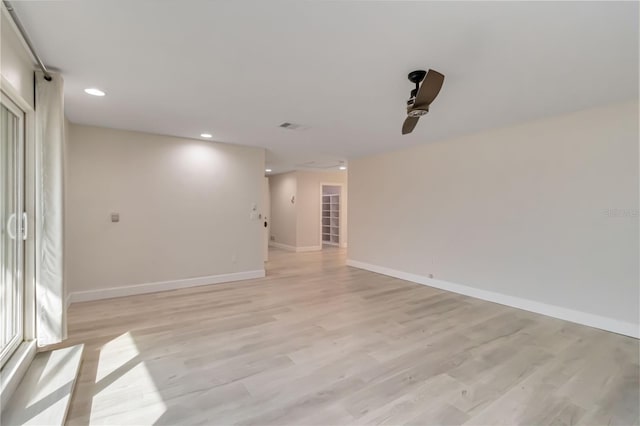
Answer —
50 143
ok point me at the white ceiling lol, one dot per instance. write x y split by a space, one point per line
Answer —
238 69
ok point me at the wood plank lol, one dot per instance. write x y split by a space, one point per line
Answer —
317 342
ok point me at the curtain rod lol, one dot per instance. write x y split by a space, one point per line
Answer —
23 32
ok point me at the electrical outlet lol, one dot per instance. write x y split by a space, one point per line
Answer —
272 238
234 258
430 275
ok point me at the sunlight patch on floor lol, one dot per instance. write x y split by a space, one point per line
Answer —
124 384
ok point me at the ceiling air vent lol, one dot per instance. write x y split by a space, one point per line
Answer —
293 126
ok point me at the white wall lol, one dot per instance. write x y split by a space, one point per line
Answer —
545 211
16 65
184 209
283 212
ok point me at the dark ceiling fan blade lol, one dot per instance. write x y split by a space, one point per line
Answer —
409 125
429 89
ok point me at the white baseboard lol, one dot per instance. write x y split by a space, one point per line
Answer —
282 246
579 317
308 248
293 248
131 290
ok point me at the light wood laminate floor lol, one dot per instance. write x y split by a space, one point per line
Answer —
317 342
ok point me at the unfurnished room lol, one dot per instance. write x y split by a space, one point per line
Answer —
319 212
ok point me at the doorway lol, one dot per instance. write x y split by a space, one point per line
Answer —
330 217
266 218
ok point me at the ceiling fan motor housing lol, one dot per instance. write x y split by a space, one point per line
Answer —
416 77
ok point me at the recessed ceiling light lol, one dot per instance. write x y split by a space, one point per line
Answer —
94 92
343 167
267 170
206 135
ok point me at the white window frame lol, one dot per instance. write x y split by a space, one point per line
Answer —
14 369
19 148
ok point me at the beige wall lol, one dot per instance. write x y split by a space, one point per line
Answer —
184 208
16 65
546 211
283 213
297 225
308 205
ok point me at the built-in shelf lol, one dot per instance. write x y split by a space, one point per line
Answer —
331 219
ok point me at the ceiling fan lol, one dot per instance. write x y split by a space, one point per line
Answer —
421 96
